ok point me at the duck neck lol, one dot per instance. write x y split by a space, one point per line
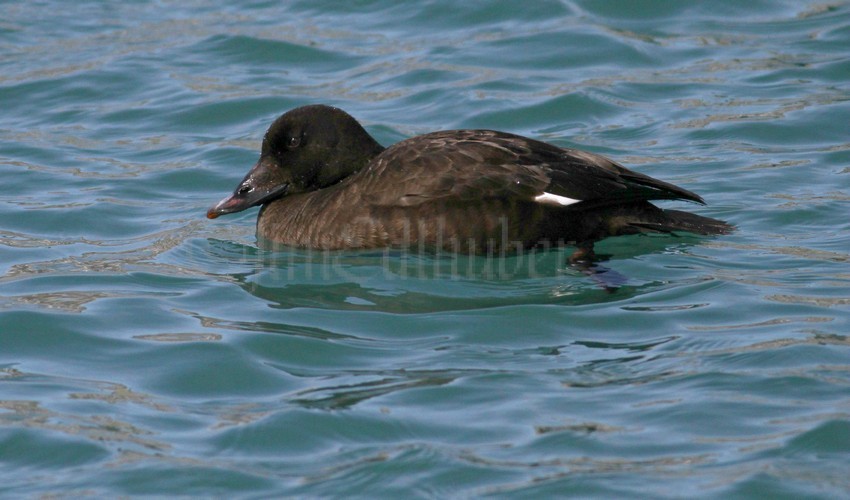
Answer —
335 171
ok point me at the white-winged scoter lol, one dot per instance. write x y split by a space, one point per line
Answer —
325 183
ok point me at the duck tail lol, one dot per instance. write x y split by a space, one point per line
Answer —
679 221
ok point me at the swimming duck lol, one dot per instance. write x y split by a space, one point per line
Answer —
324 183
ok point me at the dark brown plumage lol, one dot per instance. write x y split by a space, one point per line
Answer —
324 182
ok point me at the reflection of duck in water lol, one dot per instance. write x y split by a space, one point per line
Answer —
325 183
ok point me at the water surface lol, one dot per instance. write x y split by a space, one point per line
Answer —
145 350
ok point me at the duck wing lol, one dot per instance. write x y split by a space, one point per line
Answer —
468 165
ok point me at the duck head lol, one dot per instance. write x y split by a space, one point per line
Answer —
305 149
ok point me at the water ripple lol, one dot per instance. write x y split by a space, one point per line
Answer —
145 351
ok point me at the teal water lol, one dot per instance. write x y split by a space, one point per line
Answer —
147 351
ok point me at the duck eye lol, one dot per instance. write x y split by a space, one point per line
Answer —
293 142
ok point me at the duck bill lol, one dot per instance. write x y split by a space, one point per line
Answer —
256 188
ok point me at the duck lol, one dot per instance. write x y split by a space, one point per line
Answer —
323 182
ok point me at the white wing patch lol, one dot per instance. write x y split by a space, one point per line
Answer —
554 199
